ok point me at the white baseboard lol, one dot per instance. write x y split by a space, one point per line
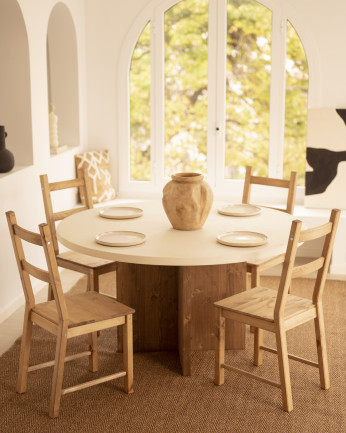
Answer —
68 278
336 270
19 302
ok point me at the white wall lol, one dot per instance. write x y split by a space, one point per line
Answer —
101 27
107 24
20 189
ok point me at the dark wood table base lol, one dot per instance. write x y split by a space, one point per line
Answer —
174 306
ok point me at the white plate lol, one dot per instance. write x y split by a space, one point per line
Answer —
240 210
120 238
117 212
242 239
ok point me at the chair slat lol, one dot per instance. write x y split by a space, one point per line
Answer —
65 184
269 181
308 268
36 272
57 216
27 235
315 233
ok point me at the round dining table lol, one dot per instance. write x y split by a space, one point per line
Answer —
173 277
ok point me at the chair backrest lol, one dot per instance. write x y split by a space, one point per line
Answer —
290 184
26 268
297 238
82 183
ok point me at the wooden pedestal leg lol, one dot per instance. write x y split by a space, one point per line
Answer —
152 292
199 288
174 306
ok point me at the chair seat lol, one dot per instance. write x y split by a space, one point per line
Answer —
84 308
260 302
82 259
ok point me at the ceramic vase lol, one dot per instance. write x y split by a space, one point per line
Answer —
187 200
6 157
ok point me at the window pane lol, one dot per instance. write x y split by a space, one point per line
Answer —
140 165
186 75
296 106
247 87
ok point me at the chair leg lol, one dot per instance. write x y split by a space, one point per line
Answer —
24 353
322 349
255 277
50 293
93 358
128 354
258 352
284 371
255 282
93 281
58 372
220 350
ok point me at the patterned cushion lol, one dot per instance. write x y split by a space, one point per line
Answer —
97 165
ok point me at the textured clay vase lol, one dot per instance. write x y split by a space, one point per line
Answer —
6 157
187 200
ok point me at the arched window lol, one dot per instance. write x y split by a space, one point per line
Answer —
213 86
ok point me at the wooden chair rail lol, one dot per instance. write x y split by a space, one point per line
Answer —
308 268
27 235
51 363
94 382
276 208
36 272
277 260
57 216
65 184
270 181
312 234
253 376
294 357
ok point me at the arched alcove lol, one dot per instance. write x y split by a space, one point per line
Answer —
15 96
62 67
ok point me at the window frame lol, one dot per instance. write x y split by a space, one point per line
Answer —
222 187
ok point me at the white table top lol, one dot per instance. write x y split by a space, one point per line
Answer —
167 246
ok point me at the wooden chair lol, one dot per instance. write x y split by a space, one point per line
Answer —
279 311
91 266
255 269
65 317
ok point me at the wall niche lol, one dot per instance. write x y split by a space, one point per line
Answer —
62 69
15 94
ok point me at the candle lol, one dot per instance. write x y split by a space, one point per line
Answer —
53 128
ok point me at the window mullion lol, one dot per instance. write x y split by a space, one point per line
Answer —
216 90
277 96
212 93
157 99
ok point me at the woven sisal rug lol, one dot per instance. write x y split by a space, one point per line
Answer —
166 402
